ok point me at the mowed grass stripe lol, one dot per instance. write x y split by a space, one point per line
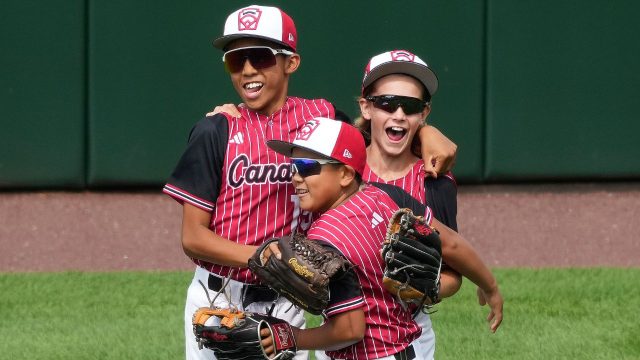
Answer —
549 314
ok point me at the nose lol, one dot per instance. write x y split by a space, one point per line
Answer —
247 68
399 114
296 179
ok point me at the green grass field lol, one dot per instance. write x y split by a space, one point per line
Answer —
549 314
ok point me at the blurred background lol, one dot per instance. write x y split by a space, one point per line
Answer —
102 94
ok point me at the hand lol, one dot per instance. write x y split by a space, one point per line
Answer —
267 342
438 152
271 249
226 108
495 301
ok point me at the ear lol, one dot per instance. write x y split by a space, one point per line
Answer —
292 64
347 176
365 108
426 112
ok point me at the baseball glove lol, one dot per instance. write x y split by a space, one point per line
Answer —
412 254
238 335
302 274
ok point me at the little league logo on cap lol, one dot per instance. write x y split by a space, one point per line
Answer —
402 55
248 19
307 129
262 22
330 139
400 62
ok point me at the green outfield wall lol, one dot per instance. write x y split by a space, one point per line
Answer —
99 94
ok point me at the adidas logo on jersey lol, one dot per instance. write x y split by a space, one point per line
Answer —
347 154
236 139
377 219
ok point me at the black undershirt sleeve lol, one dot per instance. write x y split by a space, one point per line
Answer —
442 198
340 115
344 285
199 170
402 198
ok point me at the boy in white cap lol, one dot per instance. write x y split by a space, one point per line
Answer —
396 100
328 158
235 192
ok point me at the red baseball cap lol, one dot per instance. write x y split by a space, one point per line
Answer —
400 62
262 22
328 138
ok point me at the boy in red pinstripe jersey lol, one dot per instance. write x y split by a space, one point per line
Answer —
235 192
396 99
328 158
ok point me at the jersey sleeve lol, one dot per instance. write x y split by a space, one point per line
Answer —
197 177
404 200
442 197
345 290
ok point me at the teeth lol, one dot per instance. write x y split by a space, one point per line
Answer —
301 191
253 85
395 128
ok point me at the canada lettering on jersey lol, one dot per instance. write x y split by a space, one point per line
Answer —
242 171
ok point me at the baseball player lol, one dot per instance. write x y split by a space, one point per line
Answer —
235 192
396 99
328 159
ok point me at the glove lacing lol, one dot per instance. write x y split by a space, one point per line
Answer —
313 256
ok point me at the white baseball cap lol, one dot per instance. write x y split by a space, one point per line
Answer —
263 22
400 62
329 138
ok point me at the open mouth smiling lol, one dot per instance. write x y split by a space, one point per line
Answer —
395 133
253 86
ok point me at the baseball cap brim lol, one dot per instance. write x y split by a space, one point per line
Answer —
423 73
222 42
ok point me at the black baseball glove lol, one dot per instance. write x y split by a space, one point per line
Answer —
412 253
303 273
238 335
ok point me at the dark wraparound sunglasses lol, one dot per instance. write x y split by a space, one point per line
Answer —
260 57
308 167
391 103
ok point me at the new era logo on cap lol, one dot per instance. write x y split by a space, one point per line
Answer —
262 22
328 138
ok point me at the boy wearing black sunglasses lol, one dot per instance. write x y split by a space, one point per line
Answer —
396 100
363 321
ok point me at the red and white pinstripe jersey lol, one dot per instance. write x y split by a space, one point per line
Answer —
256 200
412 182
357 228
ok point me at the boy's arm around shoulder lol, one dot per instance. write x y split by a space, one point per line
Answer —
437 151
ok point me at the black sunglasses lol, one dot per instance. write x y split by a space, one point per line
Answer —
307 167
391 103
260 57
